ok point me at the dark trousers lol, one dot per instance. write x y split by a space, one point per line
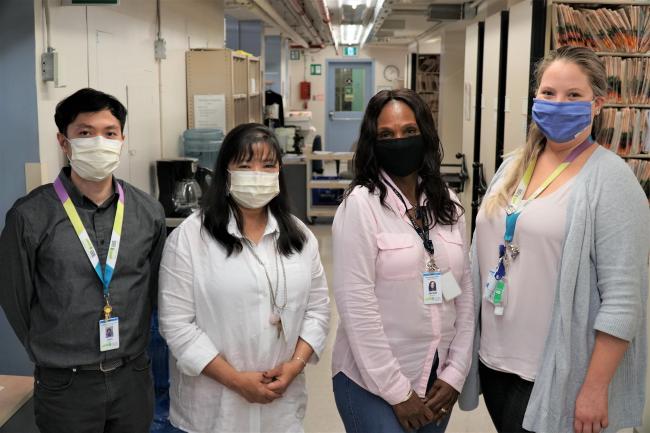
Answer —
81 401
506 397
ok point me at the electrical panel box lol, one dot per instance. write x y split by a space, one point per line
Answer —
50 66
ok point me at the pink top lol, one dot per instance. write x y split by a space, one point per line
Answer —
387 337
514 342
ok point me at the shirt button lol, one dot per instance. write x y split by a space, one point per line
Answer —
101 242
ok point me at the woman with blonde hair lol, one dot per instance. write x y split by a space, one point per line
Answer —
560 269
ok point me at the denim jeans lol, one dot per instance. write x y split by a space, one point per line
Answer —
506 397
365 412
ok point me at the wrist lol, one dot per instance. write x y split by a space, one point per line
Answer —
595 385
408 396
297 365
232 382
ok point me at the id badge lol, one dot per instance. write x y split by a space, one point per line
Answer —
490 285
432 288
450 287
109 334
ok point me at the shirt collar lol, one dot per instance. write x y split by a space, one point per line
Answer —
271 225
393 200
80 200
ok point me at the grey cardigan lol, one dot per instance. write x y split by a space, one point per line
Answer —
602 285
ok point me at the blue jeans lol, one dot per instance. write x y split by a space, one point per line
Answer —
364 412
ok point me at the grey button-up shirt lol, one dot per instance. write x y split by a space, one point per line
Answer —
49 291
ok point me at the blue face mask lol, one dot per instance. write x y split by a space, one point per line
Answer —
561 121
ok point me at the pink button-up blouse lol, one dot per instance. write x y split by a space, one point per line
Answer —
387 337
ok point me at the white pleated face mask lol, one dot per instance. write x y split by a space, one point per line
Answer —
94 158
253 189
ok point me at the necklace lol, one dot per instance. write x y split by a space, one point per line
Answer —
276 310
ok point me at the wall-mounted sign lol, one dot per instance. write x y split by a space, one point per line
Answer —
350 51
294 54
315 69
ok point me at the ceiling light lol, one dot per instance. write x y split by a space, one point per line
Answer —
350 34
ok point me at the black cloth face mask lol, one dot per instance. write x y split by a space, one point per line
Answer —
400 156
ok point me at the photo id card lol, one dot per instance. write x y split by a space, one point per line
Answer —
109 334
431 288
450 287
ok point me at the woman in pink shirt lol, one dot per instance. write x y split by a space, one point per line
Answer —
403 347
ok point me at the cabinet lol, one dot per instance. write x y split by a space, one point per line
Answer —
619 32
425 80
313 184
225 72
254 93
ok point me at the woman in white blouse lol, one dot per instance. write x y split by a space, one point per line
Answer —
243 298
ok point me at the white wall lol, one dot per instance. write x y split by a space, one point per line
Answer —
517 75
469 110
489 98
450 112
383 56
110 48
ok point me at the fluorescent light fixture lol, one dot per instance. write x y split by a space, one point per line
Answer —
350 34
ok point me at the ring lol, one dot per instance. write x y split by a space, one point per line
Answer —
443 410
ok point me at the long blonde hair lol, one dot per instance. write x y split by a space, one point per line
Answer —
592 66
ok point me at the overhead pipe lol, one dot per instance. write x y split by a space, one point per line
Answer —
325 16
264 7
300 13
382 8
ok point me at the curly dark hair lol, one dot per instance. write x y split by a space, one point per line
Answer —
438 203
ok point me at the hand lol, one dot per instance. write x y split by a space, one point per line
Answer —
280 377
253 386
591 409
412 414
441 399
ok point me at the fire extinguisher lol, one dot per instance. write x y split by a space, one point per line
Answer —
305 92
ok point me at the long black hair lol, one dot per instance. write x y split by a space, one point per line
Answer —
438 202
217 204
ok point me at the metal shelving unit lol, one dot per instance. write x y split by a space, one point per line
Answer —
314 211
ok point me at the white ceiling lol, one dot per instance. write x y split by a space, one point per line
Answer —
403 21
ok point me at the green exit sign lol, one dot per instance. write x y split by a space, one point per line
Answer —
89 2
350 51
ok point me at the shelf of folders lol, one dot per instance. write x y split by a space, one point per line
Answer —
641 168
619 32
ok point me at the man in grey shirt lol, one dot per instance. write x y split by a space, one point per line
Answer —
80 271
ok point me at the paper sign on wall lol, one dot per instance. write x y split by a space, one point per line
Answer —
210 111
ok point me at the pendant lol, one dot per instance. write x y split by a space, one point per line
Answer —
514 251
280 328
274 319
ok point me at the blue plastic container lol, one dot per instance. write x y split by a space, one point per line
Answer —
203 144
326 196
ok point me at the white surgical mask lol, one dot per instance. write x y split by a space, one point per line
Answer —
254 189
94 158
